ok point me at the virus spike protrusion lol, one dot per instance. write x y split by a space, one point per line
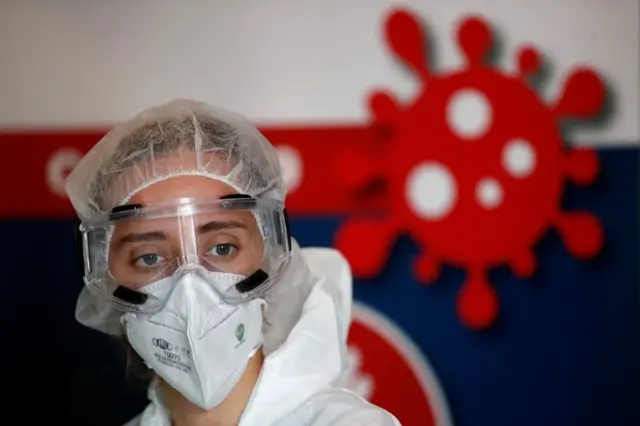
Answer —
475 40
529 62
406 38
384 108
583 95
427 268
367 244
477 302
582 166
581 233
524 264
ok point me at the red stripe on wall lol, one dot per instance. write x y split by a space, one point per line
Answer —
33 165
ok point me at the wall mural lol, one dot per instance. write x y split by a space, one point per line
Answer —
475 171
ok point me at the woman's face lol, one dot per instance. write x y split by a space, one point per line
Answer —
142 251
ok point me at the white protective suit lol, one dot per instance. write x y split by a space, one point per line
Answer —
297 385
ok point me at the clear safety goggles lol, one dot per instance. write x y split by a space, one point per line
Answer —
137 246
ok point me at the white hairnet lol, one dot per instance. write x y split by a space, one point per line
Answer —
185 137
182 137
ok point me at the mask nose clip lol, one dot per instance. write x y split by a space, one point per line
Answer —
200 273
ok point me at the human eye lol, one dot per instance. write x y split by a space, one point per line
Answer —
148 260
223 250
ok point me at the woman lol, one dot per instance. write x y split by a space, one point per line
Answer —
188 256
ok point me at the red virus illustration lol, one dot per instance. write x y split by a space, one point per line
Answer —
476 167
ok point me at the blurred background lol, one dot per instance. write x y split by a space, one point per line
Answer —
565 347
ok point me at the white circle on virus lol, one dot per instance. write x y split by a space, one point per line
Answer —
518 158
431 190
469 113
489 193
291 167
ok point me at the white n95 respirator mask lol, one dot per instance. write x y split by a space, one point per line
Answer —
197 343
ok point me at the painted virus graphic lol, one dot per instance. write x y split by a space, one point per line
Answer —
476 167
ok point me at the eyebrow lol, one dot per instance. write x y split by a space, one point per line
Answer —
217 225
214 225
143 237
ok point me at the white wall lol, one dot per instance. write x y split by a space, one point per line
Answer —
79 62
